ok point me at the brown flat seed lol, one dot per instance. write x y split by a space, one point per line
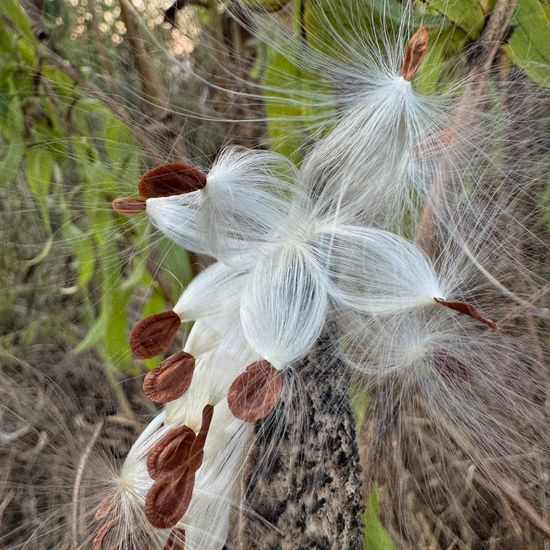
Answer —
196 453
176 178
416 50
103 532
176 540
126 206
154 334
168 500
255 392
432 144
467 309
451 368
106 506
170 454
170 379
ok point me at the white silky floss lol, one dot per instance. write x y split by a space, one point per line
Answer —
245 200
283 306
206 521
212 297
375 271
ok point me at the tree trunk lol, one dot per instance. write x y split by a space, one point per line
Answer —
302 485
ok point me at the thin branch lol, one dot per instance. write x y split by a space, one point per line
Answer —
487 48
515 498
78 480
156 104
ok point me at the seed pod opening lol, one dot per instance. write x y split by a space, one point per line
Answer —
416 50
255 392
154 334
467 309
170 379
128 206
167 180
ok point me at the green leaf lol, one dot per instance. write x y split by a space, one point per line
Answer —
8 41
322 16
466 14
9 165
442 45
375 535
529 45
266 5
176 265
283 108
83 246
12 10
62 84
110 327
39 165
11 119
119 141
27 52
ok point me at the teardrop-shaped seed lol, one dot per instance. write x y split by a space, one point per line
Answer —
168 500
154 334
176 540
170 379
106 506
255 392
127 206
467 309
196 453
176 178
433 144
171 453
416 50
102 532
451 368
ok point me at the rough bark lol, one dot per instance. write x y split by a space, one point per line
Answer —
302 485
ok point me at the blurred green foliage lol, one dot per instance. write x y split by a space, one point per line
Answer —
375 535
74 156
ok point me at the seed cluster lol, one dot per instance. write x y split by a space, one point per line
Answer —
296 254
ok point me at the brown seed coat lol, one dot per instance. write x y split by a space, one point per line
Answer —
154 334
106 506
167 180
255 392
196 453
176 540
103 531
168 499
170 454
170 379
415 52
173 463
128 206
467 309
